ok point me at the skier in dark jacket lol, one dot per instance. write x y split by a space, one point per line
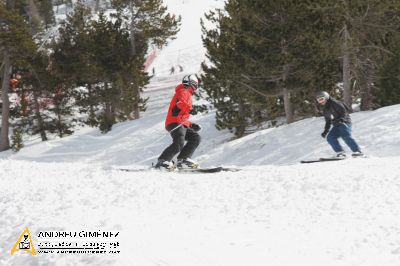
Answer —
336 113
180 128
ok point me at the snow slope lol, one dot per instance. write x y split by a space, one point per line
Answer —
273 212
139 143
187 49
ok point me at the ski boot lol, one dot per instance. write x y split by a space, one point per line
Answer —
341 155
187 163
358 154
164 164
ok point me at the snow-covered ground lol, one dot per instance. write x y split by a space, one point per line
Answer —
343 213
274 211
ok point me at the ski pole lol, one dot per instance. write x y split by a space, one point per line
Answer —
175 128
168 132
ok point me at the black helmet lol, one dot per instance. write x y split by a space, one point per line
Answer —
323 94
191 80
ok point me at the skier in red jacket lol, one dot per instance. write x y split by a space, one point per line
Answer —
180 128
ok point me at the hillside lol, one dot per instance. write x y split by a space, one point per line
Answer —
138 143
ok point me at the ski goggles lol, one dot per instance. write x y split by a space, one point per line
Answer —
321 99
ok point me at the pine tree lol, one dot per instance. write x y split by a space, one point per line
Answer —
16 45
96 55
389 76
34 86
42 89
364 31
45 8
72 67
149 23
263 53
37 77
17 140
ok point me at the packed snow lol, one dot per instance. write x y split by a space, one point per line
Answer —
275 211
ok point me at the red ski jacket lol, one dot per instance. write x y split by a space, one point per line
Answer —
180 106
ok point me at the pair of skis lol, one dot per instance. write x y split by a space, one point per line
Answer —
186 170
220 168
328 159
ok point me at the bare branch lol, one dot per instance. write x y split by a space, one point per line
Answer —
376 47
388 28
259 92
266 79
366 12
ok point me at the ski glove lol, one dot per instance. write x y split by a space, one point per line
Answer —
338 121
324 134
195 127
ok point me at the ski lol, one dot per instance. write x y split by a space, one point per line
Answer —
322 160
135 170
311 161
183 170
209 170
332 159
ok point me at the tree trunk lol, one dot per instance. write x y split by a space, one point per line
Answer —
367 85
92 114
366 99
59 123
132 32
5 110
288 106
109 114
241 126
109 109
346 69
286 96
136 107
39 117
34 17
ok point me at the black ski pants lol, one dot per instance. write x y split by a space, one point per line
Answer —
179 136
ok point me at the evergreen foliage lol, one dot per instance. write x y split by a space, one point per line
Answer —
389 82
46 10
263 53
148 23
366 27
17 140
266 59
97 54
16 46
15 36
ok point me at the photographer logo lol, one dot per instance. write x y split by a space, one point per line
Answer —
24 243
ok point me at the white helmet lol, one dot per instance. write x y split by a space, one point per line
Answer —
191 80
323 94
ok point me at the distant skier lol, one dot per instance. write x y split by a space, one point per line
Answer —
172 70
180 127
336 113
